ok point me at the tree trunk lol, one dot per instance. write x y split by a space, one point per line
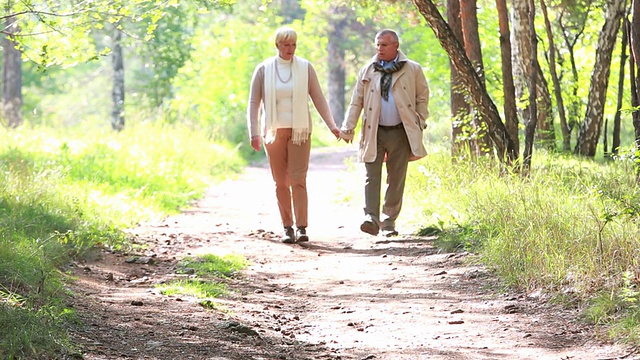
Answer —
11 75
545 129
117 113
510 108
570 42
635 34
459 106
469 19
504 146
590 130
605 138
523 70
290 10
615 145
336 57
634 73
566 134
530 127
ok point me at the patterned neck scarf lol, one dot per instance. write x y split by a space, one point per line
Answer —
387 68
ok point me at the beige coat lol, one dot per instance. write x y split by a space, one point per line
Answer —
411 95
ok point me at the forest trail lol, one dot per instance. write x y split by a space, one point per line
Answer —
344 295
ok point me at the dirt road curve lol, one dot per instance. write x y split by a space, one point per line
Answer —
345 295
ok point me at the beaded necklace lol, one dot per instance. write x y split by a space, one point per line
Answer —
279 77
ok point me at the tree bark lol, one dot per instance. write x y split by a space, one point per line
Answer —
615 145
336 57
469 19
530 127
117 113
11 75
459 106
523 70
590 130
504 145
634 74
510 109
635 33
566 134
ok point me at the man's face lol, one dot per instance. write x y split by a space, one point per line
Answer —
386 47
286 49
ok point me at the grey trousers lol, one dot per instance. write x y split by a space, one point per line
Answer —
393 145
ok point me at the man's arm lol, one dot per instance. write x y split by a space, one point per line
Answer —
422 96
354 110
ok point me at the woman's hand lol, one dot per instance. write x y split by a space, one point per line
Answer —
336 132
255 142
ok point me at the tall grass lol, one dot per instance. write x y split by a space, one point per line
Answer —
570 230
63 192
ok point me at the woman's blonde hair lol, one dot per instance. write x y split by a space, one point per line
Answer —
285 33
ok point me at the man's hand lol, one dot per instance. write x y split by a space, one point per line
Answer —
347 136
255 143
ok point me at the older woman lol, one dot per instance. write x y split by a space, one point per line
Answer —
280 91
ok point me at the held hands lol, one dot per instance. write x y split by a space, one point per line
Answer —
347 136
336 132
255 143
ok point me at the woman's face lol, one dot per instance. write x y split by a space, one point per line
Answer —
286 49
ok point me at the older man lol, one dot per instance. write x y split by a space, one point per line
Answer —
392 95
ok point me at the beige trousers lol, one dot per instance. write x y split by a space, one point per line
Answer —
289 164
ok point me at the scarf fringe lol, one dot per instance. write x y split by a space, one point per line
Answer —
300 136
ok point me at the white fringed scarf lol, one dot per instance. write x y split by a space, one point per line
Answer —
301 117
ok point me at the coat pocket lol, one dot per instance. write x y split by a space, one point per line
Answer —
422 124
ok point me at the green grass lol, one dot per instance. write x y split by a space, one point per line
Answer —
41 334
207 273
569 230
64 192
194 287
210 264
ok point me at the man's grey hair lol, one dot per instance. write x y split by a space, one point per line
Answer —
393 34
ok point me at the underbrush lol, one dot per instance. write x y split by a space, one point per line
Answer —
63 192
569 231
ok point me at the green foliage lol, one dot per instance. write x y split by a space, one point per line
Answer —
213 94
28 335
59 32
160 58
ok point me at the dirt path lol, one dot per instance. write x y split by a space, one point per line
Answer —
345 295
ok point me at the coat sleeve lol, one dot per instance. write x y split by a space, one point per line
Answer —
422 96
355 108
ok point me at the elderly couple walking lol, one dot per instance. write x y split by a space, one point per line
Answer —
391 94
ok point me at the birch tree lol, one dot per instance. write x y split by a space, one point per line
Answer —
589 132
11 74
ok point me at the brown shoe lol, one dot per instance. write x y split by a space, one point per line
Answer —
389 231
370 227
289 236
301 234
